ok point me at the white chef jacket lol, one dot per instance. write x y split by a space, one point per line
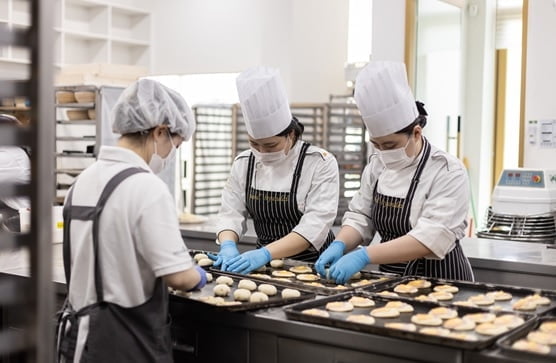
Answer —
139 236
317 195
438 214
15 168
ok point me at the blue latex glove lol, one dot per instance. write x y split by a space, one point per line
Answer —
351 263
203 280
228 250
330 256
249 261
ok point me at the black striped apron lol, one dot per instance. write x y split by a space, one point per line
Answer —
275 214
391 219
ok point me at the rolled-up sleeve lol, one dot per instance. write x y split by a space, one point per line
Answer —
321 203
444 212
233 213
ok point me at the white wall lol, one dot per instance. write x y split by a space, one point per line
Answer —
388 30
306 39
540 96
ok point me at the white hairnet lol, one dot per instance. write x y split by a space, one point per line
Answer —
147 104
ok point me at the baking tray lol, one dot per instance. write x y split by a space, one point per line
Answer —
337 320
505 343
207 290
329 288
468 289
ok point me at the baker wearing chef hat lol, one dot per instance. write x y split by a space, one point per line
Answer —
413 194
287 186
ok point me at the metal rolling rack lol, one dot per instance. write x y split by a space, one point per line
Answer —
31 303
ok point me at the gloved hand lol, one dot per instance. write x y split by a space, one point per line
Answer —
330 256
349 264
203 280
228 250
249 261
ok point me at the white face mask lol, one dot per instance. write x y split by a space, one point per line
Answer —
158 163
271 157
396 159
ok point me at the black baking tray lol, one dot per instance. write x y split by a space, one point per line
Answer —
468 289
329 288
505 343
337 320
207 290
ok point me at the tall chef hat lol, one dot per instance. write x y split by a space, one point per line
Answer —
264 102
384 98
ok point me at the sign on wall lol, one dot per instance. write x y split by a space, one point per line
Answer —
542 133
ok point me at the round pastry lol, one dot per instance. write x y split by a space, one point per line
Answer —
401 326
282 273
385 312
247 284
524 305
339 306
426 319
307 277
281 279
499 295
420 284
229 303
204 262
548 327
339 287
221 290
481 300
316 312
361 319
441 332
214 300
314 284
542 337
242 294
425 298
524 344
509 320
301 269
361 302
387 293
224 280
258 297
269 290
446 288
261 269
480 317
491 329
209 277
441 295
459 324
363 282
290 293
464 303
400 306
356 276
463 336
443 313
261 276
538 299
496 308
199 256
405 289
277 263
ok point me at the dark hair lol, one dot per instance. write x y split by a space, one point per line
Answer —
421 120
295 126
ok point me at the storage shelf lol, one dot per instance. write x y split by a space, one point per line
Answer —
85 35
76 122
14 108
76 105
130 42
15 60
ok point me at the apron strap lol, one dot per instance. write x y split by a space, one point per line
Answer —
417 176
297 171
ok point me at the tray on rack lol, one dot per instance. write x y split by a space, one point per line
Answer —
460 339
207 296
286 277
467 290
506 343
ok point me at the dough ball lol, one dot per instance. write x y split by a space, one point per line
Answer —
221 290
268 289
361 302
199 256
356 276
524 344
491 329
459 324
509 320
444 313
247 284
385 312
446 288
301 269
402 307
224 280
258 297
339 306
290 293
242 295
480 317
426 319
441 332
405 289
205 262
420 284
277 263
316 312
401 326
361 319
209 277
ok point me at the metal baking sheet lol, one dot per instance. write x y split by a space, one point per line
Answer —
328 288
505 343
338 320
207 290
468 289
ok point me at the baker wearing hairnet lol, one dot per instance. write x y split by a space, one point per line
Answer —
414 195
122 243
288 187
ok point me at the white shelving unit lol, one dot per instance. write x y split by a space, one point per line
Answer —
87 31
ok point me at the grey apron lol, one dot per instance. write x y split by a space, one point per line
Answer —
275 214
116 334
391 219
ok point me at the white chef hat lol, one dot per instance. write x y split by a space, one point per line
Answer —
264 102
384 98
